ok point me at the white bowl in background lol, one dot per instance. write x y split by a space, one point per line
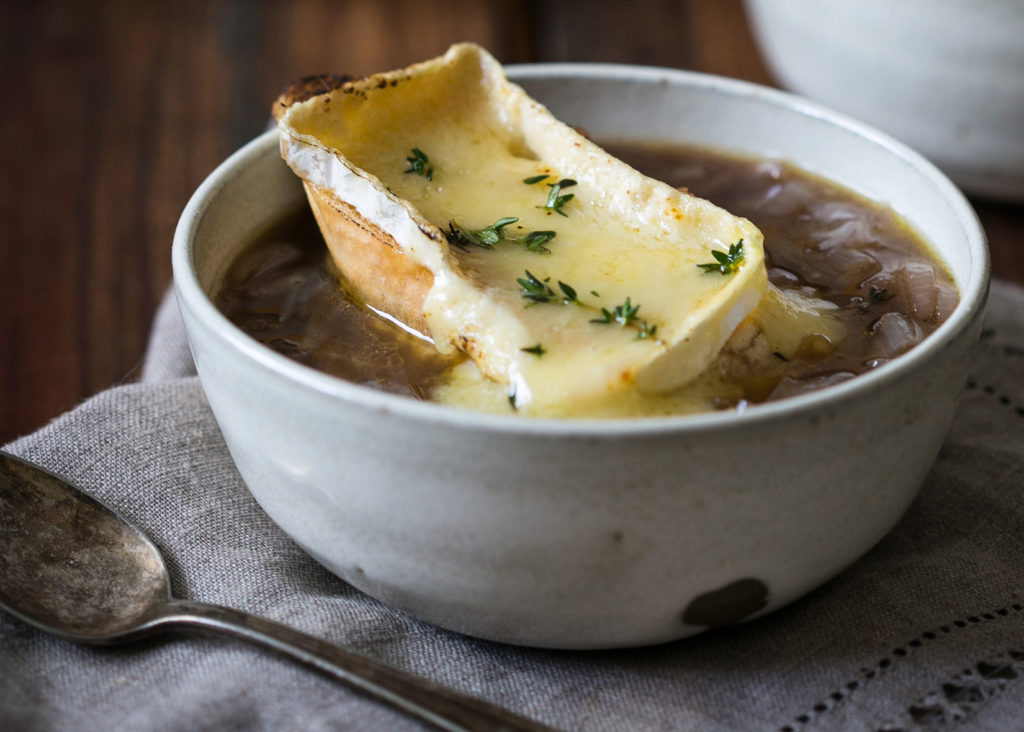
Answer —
589 533
946 77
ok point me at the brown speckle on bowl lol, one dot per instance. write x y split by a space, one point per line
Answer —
727 605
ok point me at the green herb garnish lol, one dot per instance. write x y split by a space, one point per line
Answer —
725 262
486 237
623 314
535 179
491 235
419 164
536 240
537 350
534 290
645 331
557 199
569 292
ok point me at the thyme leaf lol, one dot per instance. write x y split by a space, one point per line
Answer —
645 331
623 314
725 262
485 238
557 199
493 232
535 179
534 290
537 350
536 240
419 164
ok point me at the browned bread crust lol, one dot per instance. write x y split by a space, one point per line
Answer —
306 88
370 260
373 265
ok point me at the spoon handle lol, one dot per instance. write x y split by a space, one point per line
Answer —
419 697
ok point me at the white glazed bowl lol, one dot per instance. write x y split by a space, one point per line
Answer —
586 533
946 77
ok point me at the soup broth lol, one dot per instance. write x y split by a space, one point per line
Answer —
820 239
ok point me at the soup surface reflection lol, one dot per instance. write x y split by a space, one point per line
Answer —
819 238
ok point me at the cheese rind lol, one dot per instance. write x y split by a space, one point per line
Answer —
624 236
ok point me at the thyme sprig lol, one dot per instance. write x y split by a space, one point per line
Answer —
419 164
488 236
535 241
557 199
623 314
485 238
534 290
725 262
626 316
537 291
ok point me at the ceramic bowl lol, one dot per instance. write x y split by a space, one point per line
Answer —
945 77
588 533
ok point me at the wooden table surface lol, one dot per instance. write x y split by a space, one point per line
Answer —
117 109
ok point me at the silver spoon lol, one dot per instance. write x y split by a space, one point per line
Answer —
72 567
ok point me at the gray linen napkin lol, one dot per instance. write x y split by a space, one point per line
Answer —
926 631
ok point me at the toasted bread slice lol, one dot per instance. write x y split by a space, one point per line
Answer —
597 285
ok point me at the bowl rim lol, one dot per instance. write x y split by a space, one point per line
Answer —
972 295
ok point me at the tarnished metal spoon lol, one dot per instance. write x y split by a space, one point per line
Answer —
72 567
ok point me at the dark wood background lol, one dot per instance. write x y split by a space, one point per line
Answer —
117 109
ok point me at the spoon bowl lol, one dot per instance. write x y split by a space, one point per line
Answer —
68 564
72 567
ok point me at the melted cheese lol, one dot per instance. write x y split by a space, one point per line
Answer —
624 236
